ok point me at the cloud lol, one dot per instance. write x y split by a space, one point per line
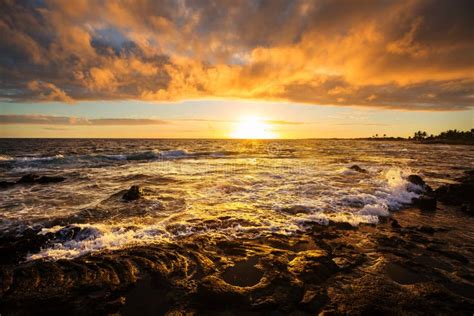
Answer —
66 120
412 55
45 91
274 122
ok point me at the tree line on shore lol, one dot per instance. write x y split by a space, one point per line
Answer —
452 134
449 135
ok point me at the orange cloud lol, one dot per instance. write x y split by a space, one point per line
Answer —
413 54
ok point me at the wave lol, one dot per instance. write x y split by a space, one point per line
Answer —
80 239
350 205
31 158
101 159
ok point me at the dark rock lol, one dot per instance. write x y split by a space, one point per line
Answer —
243 273
425 203
217 292
134 193
391 242
349 261
395 224
28 179
13 248
312 266
415 179
47 179
403 274
35 179
426 229
357 168
419 182
449 254
6 184
342 225
468 208
459 194
313 300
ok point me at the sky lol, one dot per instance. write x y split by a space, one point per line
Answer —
213 69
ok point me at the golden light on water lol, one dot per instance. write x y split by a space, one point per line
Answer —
253 127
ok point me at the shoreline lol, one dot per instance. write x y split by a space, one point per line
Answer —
415 261
426 141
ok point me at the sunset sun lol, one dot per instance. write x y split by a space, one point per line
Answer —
253 127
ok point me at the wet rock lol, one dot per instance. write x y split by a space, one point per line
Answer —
349 261
395 224
415 179
35 179
448 253
313 300
402 274
134 193
47 179
459 194
342 225
426 229
231 248
6 184
390 242
468 208
357 168
425 203
72 232
217 292
14 248
312 266
243 273
417 183
28 179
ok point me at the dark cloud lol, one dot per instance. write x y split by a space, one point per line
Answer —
413 54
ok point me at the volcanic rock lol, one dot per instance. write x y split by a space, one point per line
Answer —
358 169
461 194
134 193
35 179
425 203
418 182
6 184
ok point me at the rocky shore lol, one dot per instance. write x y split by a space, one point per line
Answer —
418 261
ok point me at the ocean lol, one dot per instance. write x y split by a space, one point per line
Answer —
227 189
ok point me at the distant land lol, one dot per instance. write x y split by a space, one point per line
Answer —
448 137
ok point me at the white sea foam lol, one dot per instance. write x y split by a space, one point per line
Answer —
380 209
174 153
96 237
38 159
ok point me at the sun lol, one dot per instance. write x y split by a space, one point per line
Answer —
253 127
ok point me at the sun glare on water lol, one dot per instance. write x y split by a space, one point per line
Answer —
253 127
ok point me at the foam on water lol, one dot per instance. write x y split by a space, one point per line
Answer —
202 187
34 159
96 237
391 195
